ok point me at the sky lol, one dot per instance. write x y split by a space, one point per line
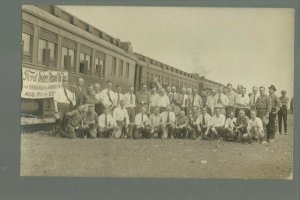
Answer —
248 46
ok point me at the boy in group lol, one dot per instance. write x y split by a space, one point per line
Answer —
141 128
107 125
203 122
242 124
255 130
154 122
230 127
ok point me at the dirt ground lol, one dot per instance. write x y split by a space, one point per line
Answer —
45 155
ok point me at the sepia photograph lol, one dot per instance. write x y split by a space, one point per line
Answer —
157 92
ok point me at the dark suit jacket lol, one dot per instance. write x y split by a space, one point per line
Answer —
79 95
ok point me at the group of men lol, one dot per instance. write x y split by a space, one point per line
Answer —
222 114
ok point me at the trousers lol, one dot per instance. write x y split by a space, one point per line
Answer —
282 116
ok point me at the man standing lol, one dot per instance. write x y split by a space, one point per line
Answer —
143 98
118 96
154 100
141 128
217 124
203 95
121 117
89 98
210 102
232 96
80 91
184 100
130 105
263 105
91 121
282 113
64 100
75 126
253 98
242 102
107 125
255 130
174 99
168 123
107 96
221 101
99 107
168 90
163 101
275 107
204 122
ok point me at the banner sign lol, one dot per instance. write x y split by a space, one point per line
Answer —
37 84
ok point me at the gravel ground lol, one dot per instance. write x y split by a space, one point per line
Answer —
45 155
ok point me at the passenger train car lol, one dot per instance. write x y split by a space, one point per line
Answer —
53 39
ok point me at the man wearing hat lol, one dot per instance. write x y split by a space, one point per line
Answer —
282 113
275 107
64 100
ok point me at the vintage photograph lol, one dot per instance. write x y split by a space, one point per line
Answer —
157 92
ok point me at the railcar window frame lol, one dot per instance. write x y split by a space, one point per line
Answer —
127 70
27 55
45 53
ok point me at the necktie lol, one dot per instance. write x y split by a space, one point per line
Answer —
219 98
243 95
105 120
203 120
131 99
142 120
108 94
168 117
254 99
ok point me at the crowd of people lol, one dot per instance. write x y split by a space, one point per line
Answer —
157 112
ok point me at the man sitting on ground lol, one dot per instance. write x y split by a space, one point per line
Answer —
183 130
216 125
168 123
255 129
91 120
154 122
141 128
242 124
203 122
107 125
121 117
75 126
230 127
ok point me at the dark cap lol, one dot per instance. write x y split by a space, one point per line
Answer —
272 87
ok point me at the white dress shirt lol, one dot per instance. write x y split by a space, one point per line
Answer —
218 121
154 100
164 117
224 100
255 123
60 97
130 100
252 100
163 101
141 119
230 122
116 96
98 97
210 102
110 121
105 97
207 118
197 100
154 120
184 99
242 101
120 114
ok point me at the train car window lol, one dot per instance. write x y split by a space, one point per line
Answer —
99 68
121 68
127 71
84 66
47 53
68 59
27 46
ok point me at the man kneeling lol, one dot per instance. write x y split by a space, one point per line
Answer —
216 126
141 128
255 130
183 130
107 125
230 128
75 126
